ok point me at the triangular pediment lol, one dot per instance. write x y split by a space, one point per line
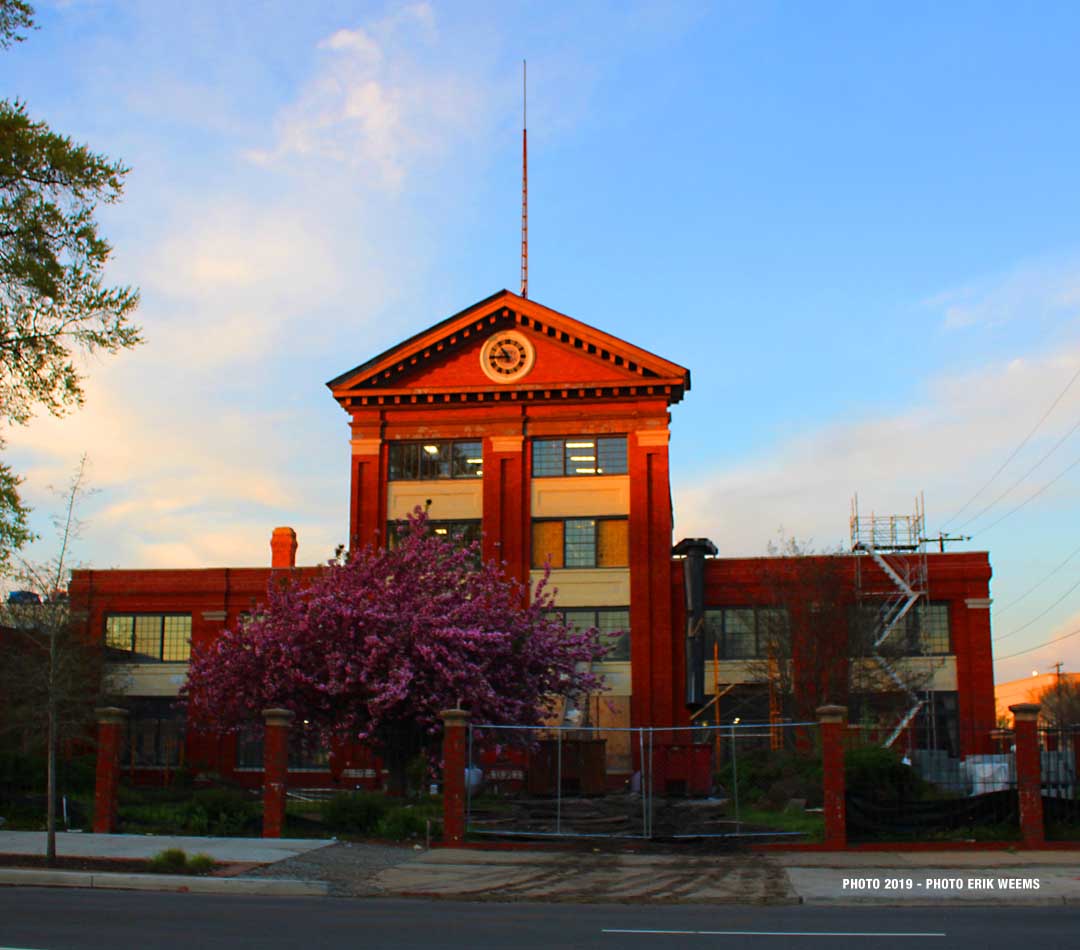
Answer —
567 355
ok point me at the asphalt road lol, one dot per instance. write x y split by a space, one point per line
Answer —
44 919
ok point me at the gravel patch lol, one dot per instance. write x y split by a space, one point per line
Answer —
349 868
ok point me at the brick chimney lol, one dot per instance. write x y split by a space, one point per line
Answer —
283 548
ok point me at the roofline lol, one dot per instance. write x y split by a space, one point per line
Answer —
416 336
662 366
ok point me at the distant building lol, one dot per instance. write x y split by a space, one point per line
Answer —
548 439
1027 690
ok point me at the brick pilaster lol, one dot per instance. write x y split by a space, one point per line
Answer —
110 737
275 769
833 721
1029 773
454 721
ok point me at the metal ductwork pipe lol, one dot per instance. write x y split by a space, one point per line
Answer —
693 551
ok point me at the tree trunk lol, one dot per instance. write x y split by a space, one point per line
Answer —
50 813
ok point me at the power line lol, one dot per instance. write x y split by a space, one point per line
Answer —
1066 636
1057 445
1031 498
1016 451
1013 633
998 611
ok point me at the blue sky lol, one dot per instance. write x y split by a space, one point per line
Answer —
855 223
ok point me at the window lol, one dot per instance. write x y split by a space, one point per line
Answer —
155 734
744 633
417 461
579 455
164 638
581 542
306 753
458 533
612 622
923 630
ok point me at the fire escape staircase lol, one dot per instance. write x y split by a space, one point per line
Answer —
897 605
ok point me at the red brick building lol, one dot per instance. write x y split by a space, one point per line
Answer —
548 438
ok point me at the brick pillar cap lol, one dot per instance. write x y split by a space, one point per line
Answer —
110 715
832 713
1025 712
455 717
278 717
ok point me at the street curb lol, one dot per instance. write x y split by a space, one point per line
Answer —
943 902
275 887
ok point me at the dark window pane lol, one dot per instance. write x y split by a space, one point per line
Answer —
468 459
547 457
614 626
739 643
611 456
404 461
580 544
934 636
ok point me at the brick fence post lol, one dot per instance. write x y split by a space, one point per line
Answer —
454 721
110 737
833 721
1029 773
275 769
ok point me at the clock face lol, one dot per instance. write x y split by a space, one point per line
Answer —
507 356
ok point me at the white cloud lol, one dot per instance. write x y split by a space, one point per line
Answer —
947 445
379 100
1048 289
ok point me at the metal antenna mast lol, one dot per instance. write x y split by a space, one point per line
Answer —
524 188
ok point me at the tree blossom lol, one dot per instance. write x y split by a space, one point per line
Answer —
376 645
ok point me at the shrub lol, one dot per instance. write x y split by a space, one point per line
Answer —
176 861
200 864
356 813
221 811
169 861
402 822
880 775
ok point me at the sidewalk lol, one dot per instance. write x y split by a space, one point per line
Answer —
317 866
223 850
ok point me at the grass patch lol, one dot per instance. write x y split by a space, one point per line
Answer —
176 861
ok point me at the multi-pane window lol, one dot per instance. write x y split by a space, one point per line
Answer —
579 455
744 633
165 638
923 631
415 461
612 622
155 734
458 533
581 542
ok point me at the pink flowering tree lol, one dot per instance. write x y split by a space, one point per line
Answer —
377 645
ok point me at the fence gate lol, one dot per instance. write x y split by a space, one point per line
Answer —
732 781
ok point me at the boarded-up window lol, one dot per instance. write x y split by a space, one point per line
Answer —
613 543
547 541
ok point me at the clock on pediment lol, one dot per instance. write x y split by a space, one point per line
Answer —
507 356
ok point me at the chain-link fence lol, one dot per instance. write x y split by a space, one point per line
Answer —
1059 749
739 780
963 789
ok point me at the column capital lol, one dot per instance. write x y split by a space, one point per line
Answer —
110 716
651 438
455 717
278 717
831 714
1025 712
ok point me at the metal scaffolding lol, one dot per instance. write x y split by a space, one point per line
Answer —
897 545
